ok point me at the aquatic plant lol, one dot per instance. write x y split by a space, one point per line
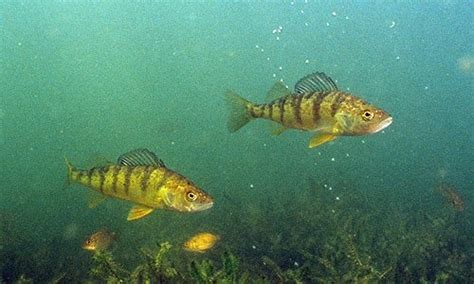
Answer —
156 268
23 279
206 272
286 276
104 267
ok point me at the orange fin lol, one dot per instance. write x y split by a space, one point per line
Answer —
138 211
320 139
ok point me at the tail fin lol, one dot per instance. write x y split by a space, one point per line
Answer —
70 169
239 115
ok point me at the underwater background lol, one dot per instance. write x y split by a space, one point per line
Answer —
88 79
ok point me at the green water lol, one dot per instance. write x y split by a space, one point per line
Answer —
88 79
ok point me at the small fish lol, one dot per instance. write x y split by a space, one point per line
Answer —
316 105
452 196
142 178
201 242
100 240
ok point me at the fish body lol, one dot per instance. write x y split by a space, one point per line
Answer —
452 196
100 240
201 242
316 105
140 177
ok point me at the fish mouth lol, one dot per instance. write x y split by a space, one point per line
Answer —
383 124
205 206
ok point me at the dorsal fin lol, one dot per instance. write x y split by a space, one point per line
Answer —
277 91
316 82
140 157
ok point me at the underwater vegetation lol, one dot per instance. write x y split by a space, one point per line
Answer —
318 239
158 268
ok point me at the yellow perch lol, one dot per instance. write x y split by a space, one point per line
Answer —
316 105
142 178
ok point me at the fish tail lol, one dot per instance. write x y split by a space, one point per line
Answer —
70 169
239 111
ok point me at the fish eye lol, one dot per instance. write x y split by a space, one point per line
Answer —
191 196
367 115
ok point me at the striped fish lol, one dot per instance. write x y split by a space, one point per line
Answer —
316 105
142 178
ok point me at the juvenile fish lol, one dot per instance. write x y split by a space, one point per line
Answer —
201 242
452 196
316 105
100 240
142 178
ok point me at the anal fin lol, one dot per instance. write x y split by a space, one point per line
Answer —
95 199
320 139
138 211
277 129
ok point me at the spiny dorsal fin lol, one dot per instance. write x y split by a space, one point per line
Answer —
316 82
140 157
277 91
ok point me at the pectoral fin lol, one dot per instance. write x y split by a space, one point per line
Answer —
319 139
138 211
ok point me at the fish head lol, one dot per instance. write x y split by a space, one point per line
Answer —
188 198
363 119
90 243
99 241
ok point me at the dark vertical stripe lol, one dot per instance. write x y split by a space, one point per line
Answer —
102 172
270 110
339 98
89 176
281 105
162 181
252 112
262 110
317 100
297 108
115 177
146 177
128 173
79 175
97 172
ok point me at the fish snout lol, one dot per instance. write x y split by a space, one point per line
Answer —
384 122
204 206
